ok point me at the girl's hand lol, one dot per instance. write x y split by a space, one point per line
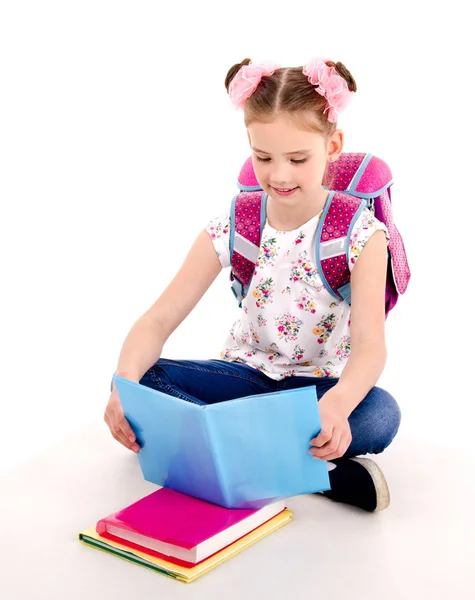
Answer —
335 436
118 424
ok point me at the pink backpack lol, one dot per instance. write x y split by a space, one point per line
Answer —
355 180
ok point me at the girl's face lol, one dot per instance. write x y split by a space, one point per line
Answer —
289 162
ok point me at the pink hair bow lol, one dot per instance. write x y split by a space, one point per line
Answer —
330 85
246 80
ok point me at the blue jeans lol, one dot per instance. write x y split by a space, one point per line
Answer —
373 423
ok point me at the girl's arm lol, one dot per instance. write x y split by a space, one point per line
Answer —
143 345
368 345
368 350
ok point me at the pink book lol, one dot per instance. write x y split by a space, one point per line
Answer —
182 527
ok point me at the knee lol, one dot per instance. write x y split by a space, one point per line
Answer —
375 422
386 418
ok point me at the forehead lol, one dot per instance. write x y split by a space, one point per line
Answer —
283 135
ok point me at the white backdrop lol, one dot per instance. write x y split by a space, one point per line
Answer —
118 143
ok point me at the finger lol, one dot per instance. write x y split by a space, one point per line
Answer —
122 422
118 434
125 427
322 438
339 452
329 448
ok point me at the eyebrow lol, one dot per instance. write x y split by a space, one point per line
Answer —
286 154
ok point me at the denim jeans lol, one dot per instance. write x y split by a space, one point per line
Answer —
373 423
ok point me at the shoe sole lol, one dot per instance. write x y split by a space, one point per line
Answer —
382 490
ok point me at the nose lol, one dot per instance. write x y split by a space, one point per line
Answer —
280 175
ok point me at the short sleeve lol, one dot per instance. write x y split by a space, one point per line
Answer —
218 230
365 226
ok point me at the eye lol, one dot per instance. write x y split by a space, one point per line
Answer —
293 160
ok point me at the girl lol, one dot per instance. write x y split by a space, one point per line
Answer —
291 332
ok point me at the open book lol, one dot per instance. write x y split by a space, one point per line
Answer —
242 453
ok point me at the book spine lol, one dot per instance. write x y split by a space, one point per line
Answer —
101 527
207 417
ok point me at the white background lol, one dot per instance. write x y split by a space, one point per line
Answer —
118 143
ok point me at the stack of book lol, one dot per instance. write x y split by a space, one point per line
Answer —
181 536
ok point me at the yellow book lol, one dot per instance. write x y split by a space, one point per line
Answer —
185 574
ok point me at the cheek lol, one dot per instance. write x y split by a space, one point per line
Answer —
306 176
312 175
260 171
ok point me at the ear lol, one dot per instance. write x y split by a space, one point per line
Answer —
335 145
248 136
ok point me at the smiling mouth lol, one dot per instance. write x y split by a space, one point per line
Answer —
284 191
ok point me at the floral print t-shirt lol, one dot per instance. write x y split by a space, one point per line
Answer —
290 324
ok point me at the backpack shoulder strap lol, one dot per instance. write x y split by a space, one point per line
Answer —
340 174
359 174
247 220
333 242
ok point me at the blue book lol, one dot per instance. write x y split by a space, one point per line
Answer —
242 453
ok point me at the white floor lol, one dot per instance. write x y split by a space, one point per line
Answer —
422 546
